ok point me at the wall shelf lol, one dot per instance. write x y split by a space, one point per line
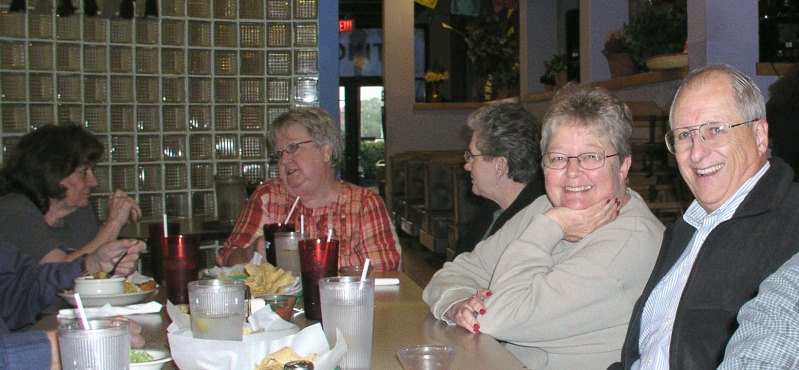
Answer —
772 69
460 105
646 78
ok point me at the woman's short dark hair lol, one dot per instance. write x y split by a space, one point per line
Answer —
43 158
511 131
320 125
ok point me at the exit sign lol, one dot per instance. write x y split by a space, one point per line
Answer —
346 25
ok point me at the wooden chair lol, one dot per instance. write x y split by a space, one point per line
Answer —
439 194
653 173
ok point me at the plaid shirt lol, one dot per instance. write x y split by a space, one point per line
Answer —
359 219
768 335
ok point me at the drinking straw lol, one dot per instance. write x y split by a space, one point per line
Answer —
81 312
329 234
292 210
302 224
365 269
166 232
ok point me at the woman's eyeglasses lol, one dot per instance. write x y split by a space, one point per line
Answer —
468 156
586 161
290 149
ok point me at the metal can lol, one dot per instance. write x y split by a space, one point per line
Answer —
298 365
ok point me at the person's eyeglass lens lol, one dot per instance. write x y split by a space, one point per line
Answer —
586 161
468 156
711 133
290 149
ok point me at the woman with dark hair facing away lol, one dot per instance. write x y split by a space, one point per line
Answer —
782 113
504 163
45 184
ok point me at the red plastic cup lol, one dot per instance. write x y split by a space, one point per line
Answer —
269 236
318 259
181 256
154 246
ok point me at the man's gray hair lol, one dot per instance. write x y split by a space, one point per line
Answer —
746 93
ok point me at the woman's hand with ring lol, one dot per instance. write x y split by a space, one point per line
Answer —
466 312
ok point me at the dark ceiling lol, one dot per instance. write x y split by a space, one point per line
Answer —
366 13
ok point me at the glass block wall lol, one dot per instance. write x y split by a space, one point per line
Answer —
175 99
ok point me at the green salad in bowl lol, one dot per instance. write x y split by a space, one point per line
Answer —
148 359
137 356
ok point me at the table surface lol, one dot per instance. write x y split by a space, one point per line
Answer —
401 319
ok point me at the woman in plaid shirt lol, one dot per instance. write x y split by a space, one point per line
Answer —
307 145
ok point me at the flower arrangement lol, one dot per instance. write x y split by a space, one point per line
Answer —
618 51
617 42
432 77
492 47
552 67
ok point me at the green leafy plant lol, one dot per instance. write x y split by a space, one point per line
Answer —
492 47
368 154
655 31
553 66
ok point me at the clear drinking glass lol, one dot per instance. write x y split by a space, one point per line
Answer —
287 251
105 346
426 357
217 309
348 304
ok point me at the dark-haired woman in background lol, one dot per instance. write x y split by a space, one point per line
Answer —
45 184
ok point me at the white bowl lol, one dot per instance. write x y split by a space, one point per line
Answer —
88 285
160 357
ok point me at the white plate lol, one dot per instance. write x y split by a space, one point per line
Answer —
159 359
293 289
93 300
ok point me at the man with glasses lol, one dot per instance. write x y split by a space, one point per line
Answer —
739 229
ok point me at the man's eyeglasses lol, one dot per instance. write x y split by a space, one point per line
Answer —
468 156
290 149
712 133
586 161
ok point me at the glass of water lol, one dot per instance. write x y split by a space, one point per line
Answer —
105 345
217 309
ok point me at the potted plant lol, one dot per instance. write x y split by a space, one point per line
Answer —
619 53
492 48
555 70
657 30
